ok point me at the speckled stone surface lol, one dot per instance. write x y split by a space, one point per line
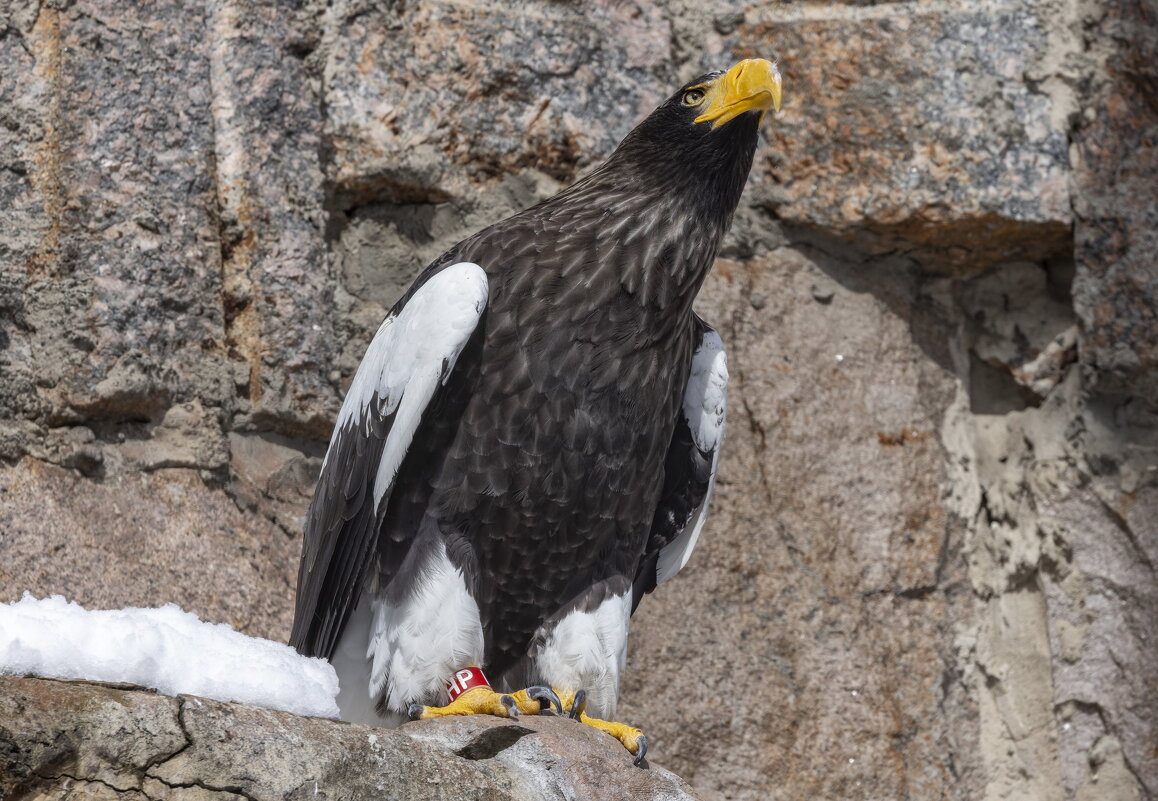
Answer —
915 132
1116 170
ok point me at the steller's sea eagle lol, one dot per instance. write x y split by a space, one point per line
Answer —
530 441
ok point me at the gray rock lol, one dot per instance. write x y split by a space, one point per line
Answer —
915 133
1116 230
61 738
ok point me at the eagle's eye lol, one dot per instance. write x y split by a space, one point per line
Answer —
692 97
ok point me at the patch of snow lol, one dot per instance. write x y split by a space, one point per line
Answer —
166 648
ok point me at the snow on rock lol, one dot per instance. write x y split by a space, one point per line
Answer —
165 648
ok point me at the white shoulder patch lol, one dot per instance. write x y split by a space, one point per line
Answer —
706 397
413 353
705 409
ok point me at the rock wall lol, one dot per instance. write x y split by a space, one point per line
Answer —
930 567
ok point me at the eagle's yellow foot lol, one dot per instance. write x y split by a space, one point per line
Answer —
482 700
536 699
633 739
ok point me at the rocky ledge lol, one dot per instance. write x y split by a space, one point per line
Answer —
97 741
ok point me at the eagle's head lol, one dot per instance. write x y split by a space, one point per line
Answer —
700 141
717 98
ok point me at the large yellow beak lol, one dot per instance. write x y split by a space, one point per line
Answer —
753 84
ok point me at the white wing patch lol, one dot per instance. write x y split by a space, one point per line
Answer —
412 353
705 408
418 644
405 652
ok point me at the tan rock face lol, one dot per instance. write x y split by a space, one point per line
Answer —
144 539
929 570
813 655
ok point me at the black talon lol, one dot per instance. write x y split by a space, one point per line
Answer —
641 741
414 711
546 698
511 706
579 704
